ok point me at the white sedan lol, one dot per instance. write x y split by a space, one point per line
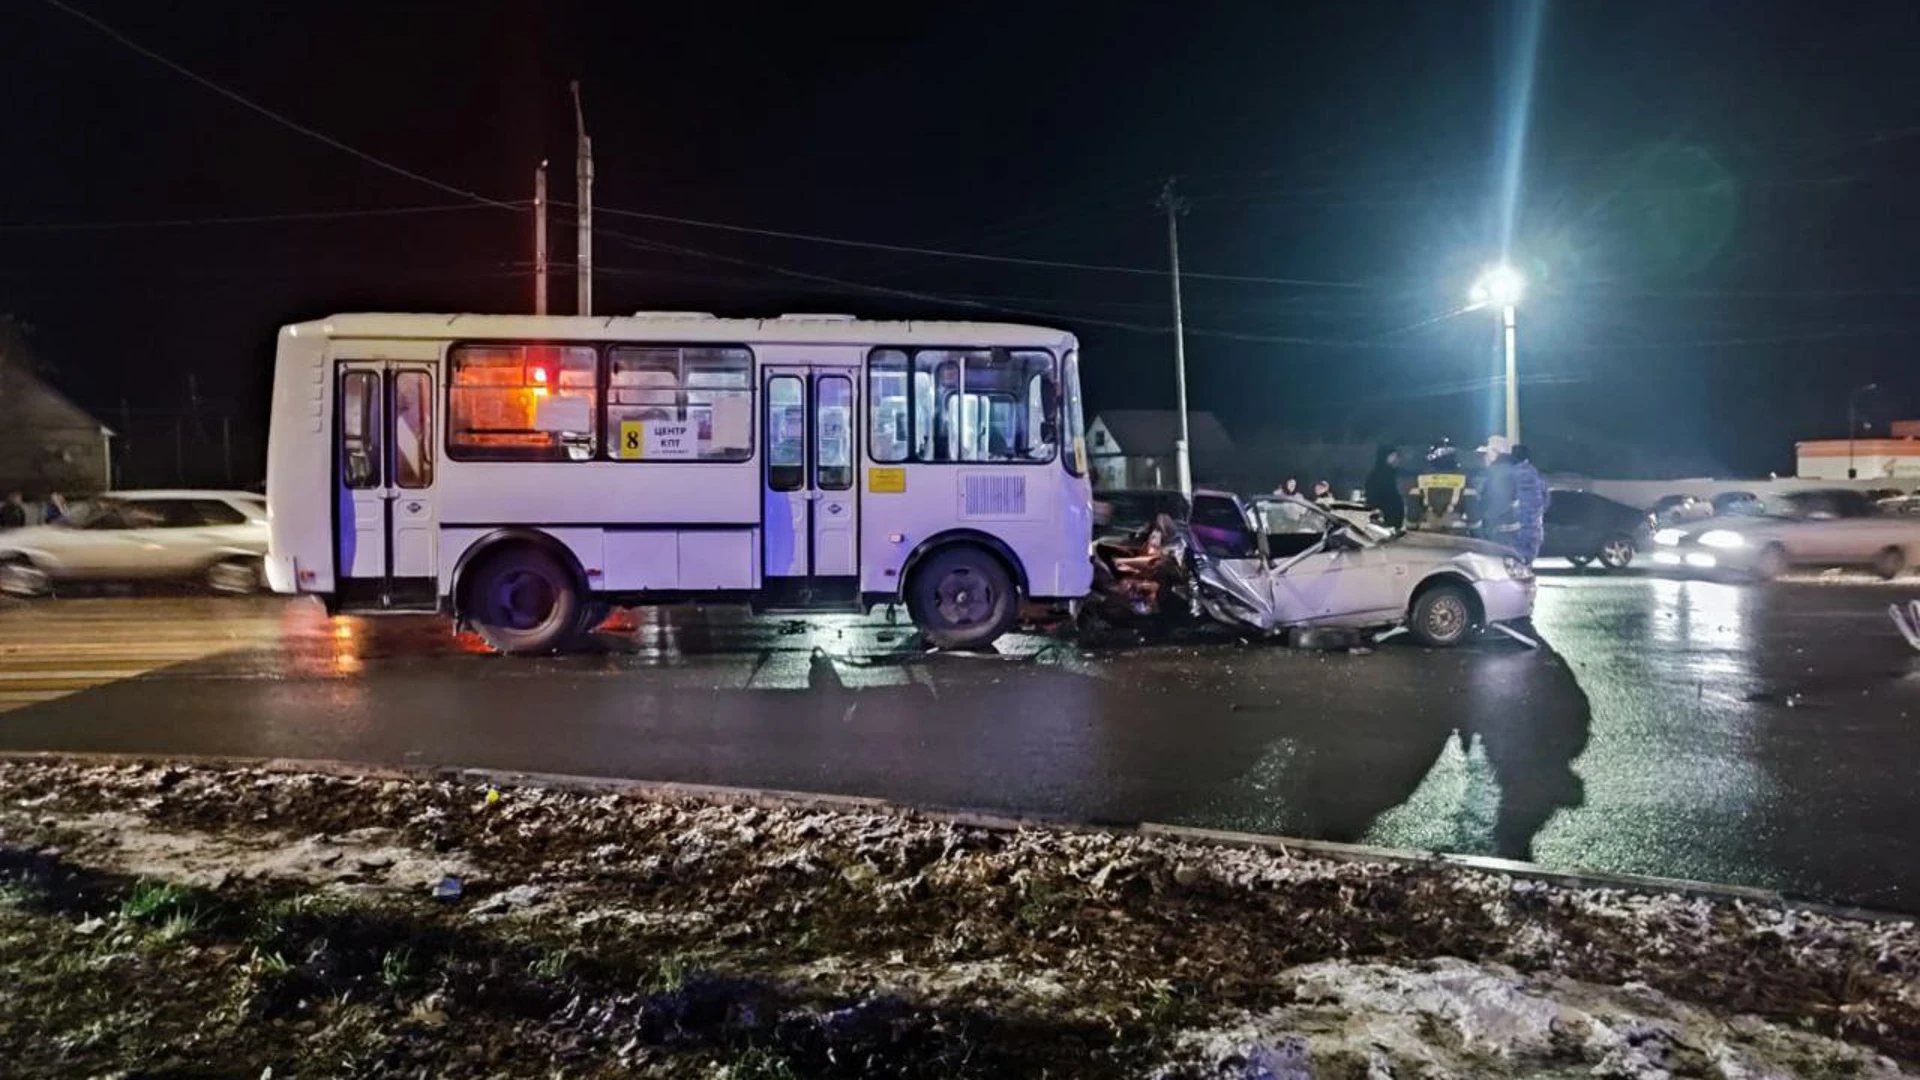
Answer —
1819 528
1274 562
218 538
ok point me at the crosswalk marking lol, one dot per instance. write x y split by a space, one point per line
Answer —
52 648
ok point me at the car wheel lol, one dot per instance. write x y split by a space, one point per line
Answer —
1579 561
1616 552
962 598
1771 563
523 601
1442 616
235 576
19 577
1888 562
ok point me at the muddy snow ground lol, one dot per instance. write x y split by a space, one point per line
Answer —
167 920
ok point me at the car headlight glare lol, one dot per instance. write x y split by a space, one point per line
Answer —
1669 537
1722 538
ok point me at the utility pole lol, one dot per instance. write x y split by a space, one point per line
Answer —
1853 423
540 239
1175 206
583 177
226 446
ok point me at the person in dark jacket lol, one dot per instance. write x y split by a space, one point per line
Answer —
1530 499
1383 487
13 512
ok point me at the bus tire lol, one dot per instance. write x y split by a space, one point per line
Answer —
523 601
962 597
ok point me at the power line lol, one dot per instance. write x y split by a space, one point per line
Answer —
977 256
293 125
243 219
953 300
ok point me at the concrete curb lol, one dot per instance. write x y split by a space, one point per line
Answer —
774 798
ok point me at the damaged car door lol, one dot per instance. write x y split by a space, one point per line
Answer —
1229 559
1324 570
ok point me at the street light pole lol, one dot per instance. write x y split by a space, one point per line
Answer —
1183 464
1513 375
1502 285
1853 426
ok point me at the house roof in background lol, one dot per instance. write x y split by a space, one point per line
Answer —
1152 432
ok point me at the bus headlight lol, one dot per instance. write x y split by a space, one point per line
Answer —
1724 539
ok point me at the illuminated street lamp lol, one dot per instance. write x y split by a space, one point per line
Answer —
1500 286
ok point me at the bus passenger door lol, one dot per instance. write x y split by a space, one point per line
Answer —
414 531
836 551
809 515
360 523
384 472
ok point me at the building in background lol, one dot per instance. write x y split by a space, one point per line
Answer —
1133 448
47 443
1894 455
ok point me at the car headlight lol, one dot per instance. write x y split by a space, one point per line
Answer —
1517 570
1722 538
1669 537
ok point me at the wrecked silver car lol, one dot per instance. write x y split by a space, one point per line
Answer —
1275 563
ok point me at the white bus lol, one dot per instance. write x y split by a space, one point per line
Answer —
525 473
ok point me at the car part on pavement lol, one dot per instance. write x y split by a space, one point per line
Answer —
1907 621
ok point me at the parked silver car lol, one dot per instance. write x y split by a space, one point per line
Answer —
218 538
1273 562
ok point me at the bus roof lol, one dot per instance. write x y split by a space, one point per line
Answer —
684 326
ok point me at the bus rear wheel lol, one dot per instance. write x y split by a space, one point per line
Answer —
962 598
523 601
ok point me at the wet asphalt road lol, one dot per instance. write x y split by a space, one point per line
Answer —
1761 736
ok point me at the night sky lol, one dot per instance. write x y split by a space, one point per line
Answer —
1715 200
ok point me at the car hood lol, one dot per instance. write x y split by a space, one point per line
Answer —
1446 542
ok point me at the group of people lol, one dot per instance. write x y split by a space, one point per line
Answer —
1322 490
13 512
1512 494
1513 498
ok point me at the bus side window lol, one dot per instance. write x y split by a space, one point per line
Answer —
360 429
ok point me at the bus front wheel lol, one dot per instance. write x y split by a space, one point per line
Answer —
523 601
962 598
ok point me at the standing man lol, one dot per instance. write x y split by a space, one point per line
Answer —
1530 498
1497 520
1383 487
13 512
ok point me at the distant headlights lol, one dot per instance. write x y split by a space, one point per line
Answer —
1669 537
1724 539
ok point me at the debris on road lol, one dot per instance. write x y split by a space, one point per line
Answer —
162 918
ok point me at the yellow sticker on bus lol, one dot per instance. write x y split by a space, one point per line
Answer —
633 439
887 481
